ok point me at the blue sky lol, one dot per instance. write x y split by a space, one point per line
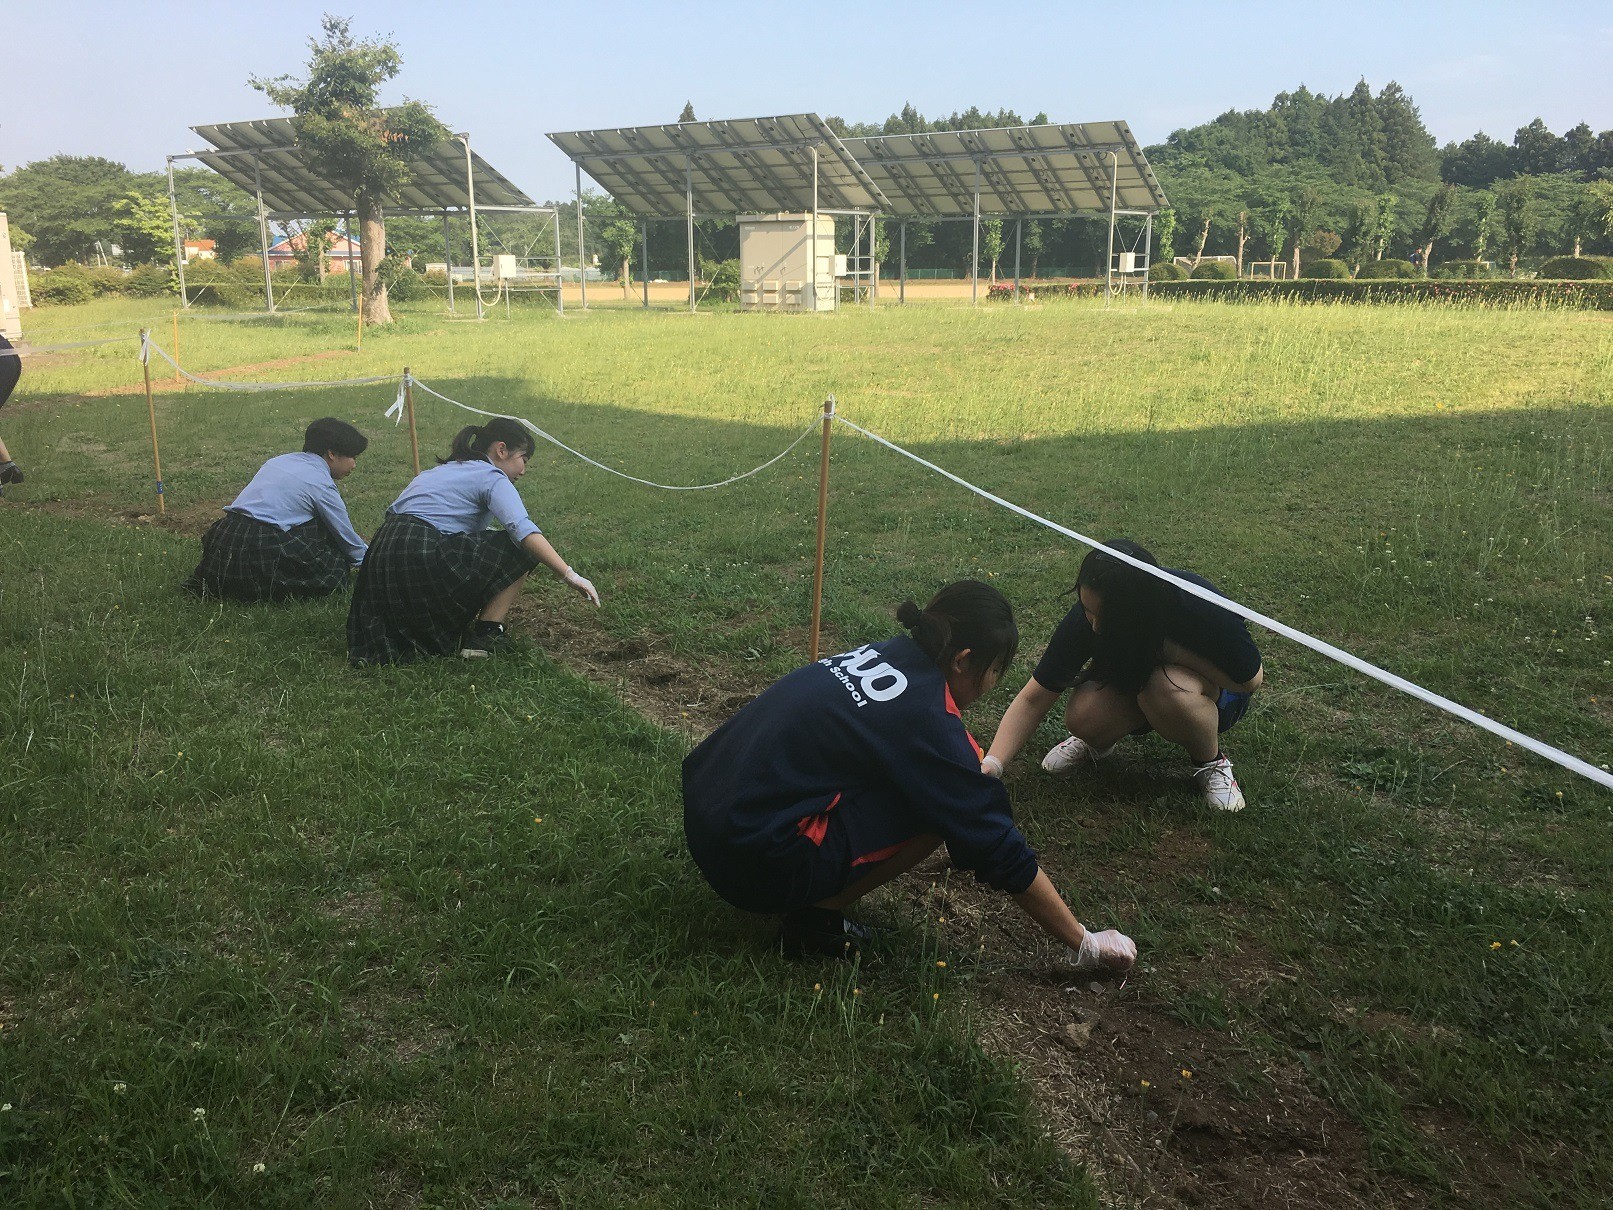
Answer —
126 81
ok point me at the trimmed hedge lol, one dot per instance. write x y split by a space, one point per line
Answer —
1578 268
61 287
1325 270
1463 270
1215 270
1535 295
1166 271
1378 270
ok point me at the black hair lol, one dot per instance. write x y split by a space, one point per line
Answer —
1131 642
968 615
333 436
473 441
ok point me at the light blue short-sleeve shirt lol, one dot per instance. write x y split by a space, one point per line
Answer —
464 497
293 489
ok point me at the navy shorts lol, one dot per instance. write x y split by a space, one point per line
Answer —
832 845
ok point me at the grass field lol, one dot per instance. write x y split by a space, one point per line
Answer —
335 924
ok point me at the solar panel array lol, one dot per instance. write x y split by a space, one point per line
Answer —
1023 170
291 187
747 166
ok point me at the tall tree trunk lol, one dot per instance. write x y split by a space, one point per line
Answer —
1204 238
1428 257
1243 238
1576 245
1295 275
626 276
372 250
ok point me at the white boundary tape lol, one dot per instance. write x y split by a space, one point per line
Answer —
396 412
1572 763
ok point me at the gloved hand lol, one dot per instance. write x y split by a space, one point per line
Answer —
581 585
991 766
1110 949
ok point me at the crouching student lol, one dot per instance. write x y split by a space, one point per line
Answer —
287 535
850 771
1139 654
437 580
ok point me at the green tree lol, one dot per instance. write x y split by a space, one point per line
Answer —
1483 223
67 203
1165 234
1384 231
1518 218
349 139
688 113
144 227
615 234
1304 211
1437 221
991 243
1361 233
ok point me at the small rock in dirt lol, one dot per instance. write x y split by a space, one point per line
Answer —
1096 988
1075 1036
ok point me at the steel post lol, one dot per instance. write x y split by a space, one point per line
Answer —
179 239
263 233
582 269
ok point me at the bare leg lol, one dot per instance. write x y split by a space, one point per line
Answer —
1180 705
498 608
915 851
1101 715
5 454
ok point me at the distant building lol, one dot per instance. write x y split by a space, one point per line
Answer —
283 255
200 249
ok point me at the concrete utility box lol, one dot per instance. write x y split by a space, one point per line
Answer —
10 292
776 263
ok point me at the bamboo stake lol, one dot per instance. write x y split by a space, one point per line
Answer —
151 409
178 377
823 516
408 404
361 326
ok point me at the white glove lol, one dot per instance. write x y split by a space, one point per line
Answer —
991 766
581 585
1109 949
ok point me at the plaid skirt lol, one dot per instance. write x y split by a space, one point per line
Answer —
419 589
10 370
245 559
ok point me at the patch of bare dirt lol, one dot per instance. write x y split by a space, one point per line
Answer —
166 385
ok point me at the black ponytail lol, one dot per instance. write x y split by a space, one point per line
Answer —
473 441
968 615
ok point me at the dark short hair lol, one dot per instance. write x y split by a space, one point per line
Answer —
967 614
333 436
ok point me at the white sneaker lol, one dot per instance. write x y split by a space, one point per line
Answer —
1072 754
1219 786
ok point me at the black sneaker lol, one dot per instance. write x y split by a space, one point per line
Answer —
825 932
10 472
483 639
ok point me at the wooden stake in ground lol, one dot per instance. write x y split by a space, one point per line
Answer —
178 377
823 516
408 406
151 409
361 329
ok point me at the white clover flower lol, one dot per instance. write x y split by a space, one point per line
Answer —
198 1114
120 1088
259 1168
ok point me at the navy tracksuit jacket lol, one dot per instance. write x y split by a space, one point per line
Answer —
834 768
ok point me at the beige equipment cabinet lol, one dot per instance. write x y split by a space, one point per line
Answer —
775 266
10 294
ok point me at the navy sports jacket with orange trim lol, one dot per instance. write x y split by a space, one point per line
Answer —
879 720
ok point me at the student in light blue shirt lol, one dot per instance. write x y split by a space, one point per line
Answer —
437 579
287 535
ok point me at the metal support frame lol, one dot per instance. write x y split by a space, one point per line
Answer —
812 261
582 269
475 244
179 239
1148 253
901 285
644 267
974 259
263 234
559 281
448 258
1109 264
352 280
1019 236
873 256
688 210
